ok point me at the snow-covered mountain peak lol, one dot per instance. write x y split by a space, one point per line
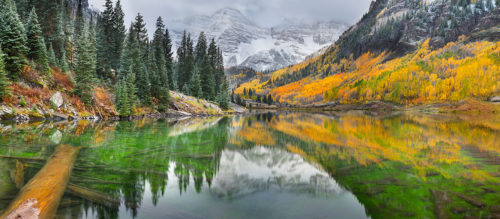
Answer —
245 43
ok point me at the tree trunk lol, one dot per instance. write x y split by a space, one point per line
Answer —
40 197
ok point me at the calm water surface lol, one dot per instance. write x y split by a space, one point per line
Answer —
270 165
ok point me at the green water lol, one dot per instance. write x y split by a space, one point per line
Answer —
271 165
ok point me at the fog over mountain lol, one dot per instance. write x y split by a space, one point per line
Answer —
263 35
265 13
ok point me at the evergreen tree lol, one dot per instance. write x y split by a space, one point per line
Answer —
195 83
141 33
208 80
223 96
63 62
3 78
201 49
79 21
132 57
206 68
169 61
125 94
84 67
105 45
212 59
119 34
158 71
13 40
186 60
52 56
35 42
219 68
92 45
186 90
57 40
181 63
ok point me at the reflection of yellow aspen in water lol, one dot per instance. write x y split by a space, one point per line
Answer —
41 196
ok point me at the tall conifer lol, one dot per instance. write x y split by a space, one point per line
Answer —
35 42
13 40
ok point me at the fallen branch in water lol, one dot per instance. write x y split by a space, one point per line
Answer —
93 196
23 158
41 196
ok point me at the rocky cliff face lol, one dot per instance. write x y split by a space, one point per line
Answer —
245 43
400 25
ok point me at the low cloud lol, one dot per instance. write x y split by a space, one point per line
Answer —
265 13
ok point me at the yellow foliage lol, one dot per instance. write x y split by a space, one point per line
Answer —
453 73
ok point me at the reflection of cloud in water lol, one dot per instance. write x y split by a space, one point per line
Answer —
193 125
261 169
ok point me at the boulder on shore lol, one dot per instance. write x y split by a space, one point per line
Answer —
57 99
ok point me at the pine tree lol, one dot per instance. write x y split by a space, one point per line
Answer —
195 83
13 40
57 40
105 43
84 68
158 71
141 33
159 52
206 68
212 58
186 90
51 56
35 42
219 68
201 49
92 45
79 21
125 94
223 96
182 75
119 34
132 57
4 90
63 62
169 61
131 91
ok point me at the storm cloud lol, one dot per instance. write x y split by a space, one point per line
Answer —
265 13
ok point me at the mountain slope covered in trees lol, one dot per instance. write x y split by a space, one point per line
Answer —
64 58
401 51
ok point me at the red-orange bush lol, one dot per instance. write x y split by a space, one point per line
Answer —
61 79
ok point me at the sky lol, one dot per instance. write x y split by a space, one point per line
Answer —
265 13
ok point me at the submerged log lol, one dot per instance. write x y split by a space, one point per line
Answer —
41 196
22 158
19 178
93 196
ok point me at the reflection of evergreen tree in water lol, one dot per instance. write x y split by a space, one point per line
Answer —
133 194
133 153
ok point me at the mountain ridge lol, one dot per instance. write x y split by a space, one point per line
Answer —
247 44
417 34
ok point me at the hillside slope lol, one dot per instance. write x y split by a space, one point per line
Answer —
33 102
405 52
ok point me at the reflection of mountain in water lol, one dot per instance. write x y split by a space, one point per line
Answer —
261 169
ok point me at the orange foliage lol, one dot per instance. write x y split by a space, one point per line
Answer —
63 80
102 97
34 95
453 73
